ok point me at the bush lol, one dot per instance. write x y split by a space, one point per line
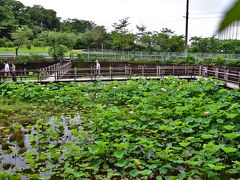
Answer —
233 62
81 57
190 59
31 58
132 57
219 60
39 43
2 42
29 46
208 60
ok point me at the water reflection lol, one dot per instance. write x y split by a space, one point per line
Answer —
12 158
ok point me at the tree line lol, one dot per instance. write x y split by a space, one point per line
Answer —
23 25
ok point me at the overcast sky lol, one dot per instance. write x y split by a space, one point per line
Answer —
154 14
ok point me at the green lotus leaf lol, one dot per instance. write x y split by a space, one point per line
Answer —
145 172
211 147
94 149
206 136
121 163
184 144
134 173
119 154
232 135
229 150
229 127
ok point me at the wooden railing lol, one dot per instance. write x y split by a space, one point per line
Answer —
56 70
64 72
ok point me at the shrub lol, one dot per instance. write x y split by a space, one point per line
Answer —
39 43
207 60
219 60
30 58
81 57
190 59
2 42
233 62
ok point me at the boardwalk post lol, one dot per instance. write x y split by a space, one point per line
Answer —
173 70
75 73
205 71
91 72
25 74
216 73
143 70
130 73
200 71
239 79
110 71
55 75
226 75
160 71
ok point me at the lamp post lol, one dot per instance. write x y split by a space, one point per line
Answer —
186 29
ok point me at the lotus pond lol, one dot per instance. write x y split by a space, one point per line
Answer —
145 129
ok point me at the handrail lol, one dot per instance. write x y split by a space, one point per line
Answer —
66 73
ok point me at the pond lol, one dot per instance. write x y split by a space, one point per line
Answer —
143 129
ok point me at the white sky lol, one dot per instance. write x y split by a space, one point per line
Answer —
154 14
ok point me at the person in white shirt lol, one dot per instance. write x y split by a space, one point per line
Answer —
98 68
6 69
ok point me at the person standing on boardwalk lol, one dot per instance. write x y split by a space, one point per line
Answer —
13 70
6 69
98 68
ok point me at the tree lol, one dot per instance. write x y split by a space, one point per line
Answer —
143 38
205 45
59 42
99 37
142 29
42 19
161 42
21 37
121 38
7 20
121 27
77 26
176 43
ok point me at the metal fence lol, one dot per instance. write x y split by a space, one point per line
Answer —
126 55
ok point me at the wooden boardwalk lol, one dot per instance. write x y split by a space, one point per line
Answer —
62 72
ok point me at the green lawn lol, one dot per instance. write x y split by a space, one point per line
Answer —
25 50
33 50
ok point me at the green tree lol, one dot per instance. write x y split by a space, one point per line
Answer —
176 43
99 37
42 19
161 42
205 45
143 38
7 19
77 26
121 38
21 37
59 42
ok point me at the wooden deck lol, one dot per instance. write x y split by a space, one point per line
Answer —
62 72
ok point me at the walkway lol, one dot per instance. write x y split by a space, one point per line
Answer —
64 73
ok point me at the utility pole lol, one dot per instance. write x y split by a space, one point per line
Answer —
186 29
